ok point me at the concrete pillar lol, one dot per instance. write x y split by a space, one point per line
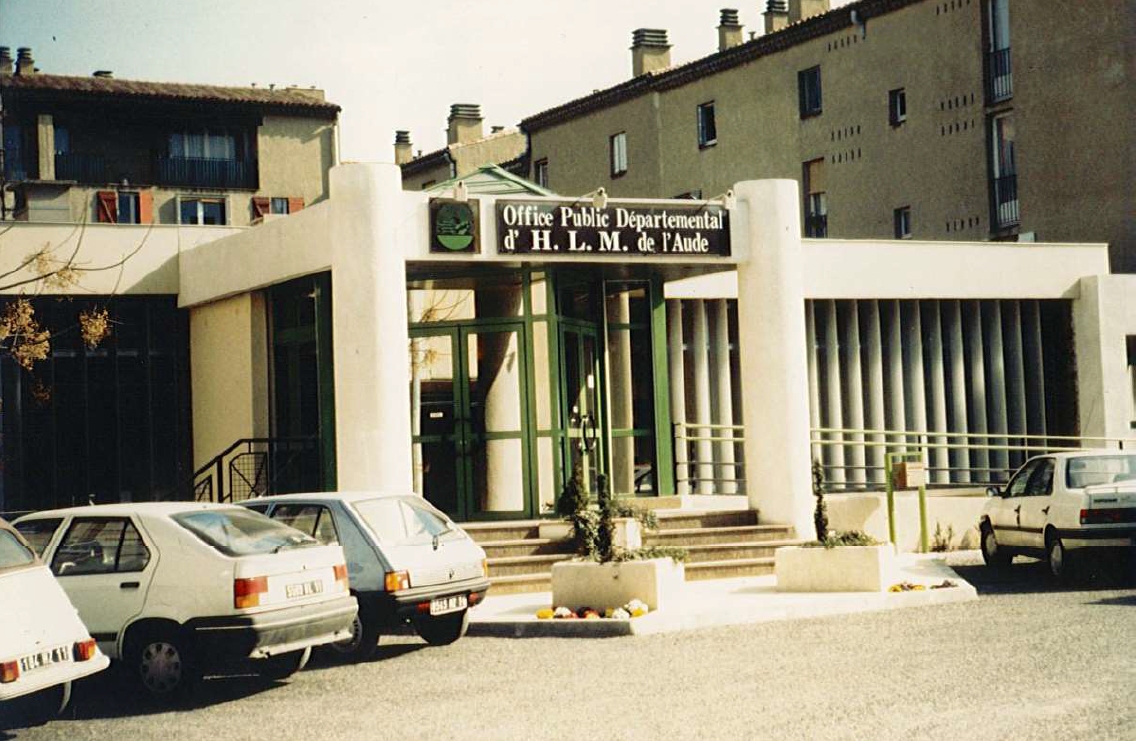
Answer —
45 143
700 343
725 397
936 388
368 283
874 386
854 394
956 380
834 397
678 393
1035 366
771 329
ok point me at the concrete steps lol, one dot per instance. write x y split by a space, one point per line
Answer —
720 545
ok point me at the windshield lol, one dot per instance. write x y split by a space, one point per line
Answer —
402 519
1099 469
13 553
242 532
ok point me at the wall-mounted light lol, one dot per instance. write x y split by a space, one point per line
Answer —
726 200
461 193
598 196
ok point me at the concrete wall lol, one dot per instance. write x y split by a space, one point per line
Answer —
295 156
493 149
868 513
229 373
1103 317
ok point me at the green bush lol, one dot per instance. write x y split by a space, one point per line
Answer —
851 537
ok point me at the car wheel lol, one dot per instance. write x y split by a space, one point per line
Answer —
993 555
443 630
163 664
361 644
1060 560
283 666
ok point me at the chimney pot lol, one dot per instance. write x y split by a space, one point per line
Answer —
776 15
25 65
650 51
403 150
5 60
800 10
729 30
464 124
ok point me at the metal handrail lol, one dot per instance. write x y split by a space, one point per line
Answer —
209 479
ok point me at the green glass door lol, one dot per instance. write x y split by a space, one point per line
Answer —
584 428
470 419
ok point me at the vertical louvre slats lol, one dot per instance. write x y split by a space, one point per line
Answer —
833 410
848 323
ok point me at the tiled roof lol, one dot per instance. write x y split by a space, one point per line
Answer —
833 21
297 100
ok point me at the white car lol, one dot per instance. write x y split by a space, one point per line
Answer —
177 588
408 562
1060 506
43 644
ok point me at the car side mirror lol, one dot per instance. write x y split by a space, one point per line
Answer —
993 491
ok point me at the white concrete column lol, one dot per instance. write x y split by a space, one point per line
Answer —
874 386
1015 376
620 391
45 143
678 393
933 354
368 284
700 344
1035 365
815 451
956 379
771 329
996 388
976 373
854 393
725 397
833 397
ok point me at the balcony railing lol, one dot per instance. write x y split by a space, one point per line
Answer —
816 225
1006 201
1000 78
84 168
203 172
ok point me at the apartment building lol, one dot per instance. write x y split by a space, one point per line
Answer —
467 149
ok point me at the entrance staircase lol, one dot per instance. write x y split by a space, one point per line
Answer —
719 544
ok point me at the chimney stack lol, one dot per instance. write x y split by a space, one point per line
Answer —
403 150
729 30
5 60
464 124
800 10
650 51
776 15
25 65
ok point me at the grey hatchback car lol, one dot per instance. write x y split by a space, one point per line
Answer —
407 562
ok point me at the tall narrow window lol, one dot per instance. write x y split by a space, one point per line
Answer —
816 201
1004 172
902 218
540 172
707 127
808 91
897 106
1131 340
999 71
618 147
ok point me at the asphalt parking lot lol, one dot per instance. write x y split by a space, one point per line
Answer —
1029 659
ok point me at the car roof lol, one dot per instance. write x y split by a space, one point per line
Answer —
332 496
1088 453
123 509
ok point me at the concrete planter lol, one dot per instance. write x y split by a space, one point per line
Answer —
628 533
860 568
658 582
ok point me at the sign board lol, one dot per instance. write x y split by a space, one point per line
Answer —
454 227
910 474
579 229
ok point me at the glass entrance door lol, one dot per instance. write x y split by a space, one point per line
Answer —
584 430
470 420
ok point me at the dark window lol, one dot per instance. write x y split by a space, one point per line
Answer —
808 91
707 127
100 546
207 211
897 106
12 552
241 532
540 173
816 200
128 208
38 533
902 219
618 150
279 206
310 519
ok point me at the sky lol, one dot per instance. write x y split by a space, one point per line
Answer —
389 65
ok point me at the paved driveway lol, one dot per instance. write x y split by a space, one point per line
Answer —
1027 660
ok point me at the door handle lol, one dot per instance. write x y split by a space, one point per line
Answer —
1045 510
129 585
1018 509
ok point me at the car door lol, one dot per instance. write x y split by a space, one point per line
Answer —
1006 515
105 565
1036 504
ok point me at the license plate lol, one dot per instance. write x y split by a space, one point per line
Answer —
303 589
442 605
57 655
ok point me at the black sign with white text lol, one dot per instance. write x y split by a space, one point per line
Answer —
582 230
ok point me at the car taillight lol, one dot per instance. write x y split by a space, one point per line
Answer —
341 576
246 592
9 672
397 580
85 650
1107 516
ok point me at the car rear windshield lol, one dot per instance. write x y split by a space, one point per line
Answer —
403 519
1099 469
13 553
242 532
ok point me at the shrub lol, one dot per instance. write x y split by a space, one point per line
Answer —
850 537
941 541
820 515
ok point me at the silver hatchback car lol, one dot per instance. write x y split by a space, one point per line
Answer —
407 562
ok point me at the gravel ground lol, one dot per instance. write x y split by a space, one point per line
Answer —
1027 660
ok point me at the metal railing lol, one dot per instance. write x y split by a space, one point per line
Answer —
81 167
1000 77
699 466
1006 210
854 459
206 172
258 466
816 226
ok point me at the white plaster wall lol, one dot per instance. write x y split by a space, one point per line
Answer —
1103 315
868 513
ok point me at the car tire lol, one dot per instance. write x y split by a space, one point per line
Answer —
1058 558
361 644
993 555
163 663
279 668
443 630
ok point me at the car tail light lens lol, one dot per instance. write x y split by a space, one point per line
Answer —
397 580
9 672
1107 516
341 576
246 592
85 650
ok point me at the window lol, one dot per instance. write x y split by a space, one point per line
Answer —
619 154
278 206
816 201
402 519
125 207
897 106
1017 486
707 128
128 212
100 546
13 553
264 205
241 532
62 140
1004 172
903 222
540 173
808 91
1104 469
1131 342
208 211
1041 482
38 532
205 144
310 519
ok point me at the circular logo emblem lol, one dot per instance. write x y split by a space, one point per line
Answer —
454 226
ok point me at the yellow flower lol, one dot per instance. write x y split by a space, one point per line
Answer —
544 613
